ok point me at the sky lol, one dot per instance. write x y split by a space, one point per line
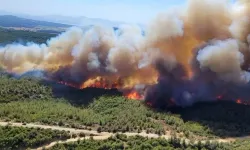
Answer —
130 11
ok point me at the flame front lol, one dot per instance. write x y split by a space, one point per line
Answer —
100 82
219 97
134 95
178 64
238 101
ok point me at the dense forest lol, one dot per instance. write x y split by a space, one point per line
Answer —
22 138
120 142
28 100
24 89
37 104
13 21
8 36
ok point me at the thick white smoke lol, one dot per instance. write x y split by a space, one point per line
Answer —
209 19
164 27
128 57
223 58
17 57
240 27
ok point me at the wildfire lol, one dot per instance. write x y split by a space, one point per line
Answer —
68 84
219 97
134 95
99 82
238 101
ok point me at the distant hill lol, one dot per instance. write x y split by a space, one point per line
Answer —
17 22
8 36
77 21
68 20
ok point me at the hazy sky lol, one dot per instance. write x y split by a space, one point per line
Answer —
133 11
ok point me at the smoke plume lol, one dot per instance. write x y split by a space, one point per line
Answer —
197 53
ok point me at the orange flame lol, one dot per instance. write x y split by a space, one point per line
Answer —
219 97
244 102
238 101
102 83
134 95
99 82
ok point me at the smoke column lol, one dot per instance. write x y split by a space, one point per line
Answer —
186 55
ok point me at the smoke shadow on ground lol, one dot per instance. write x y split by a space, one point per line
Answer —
78 97
223 118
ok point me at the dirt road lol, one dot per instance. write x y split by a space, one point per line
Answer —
31 125
96 135
103 137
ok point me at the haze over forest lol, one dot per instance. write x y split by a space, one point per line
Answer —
162 74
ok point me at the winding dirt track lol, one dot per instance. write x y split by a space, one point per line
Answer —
99 136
